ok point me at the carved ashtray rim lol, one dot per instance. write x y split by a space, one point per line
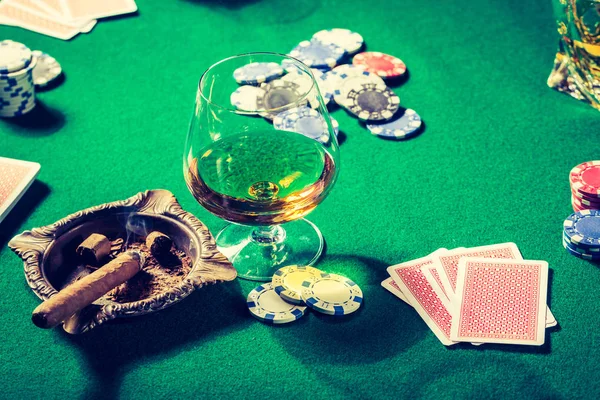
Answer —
36 246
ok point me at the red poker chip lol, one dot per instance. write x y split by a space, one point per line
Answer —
384 65
585 179
586 201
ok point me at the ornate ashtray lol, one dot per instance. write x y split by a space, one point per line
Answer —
51 262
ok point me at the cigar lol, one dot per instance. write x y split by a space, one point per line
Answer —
87 290
158 243
93 249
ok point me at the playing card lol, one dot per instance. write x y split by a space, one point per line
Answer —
447 263
433 277
77 9
393 288
421 296
500 301
15 177
12 13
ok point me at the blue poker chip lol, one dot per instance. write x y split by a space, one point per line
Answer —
319 55
578 252
306 121
582 249
583 228
332 294
403 126
257 73
265 305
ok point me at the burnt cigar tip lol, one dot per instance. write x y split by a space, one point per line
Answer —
137 255
39 320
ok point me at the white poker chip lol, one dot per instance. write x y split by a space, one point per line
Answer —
46 70
257 72
14 56
244 98
306 121
332 294
266 305
287 282
344 38
305 84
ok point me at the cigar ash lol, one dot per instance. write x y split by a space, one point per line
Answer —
156 276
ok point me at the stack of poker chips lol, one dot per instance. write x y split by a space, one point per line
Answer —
294 288
17 90
581 234
585 186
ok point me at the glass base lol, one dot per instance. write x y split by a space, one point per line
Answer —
257 252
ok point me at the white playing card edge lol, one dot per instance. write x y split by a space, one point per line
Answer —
542 305
19 190
387 285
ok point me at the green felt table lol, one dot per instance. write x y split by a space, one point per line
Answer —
491 166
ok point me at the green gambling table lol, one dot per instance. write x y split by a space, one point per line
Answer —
491 166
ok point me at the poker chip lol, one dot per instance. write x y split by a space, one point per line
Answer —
266 305
316 54
244 98
287 282
46 70
347 82
582 248
14 56
350 41
405 125
381 64
257 72
17 90
332 294
584 204
305 84
583 228
581 196
585 179
372 102
307 121
585 256
278 94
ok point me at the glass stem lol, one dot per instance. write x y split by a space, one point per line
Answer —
268 234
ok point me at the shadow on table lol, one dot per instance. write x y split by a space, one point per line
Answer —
383 327
264 12
109 349
36 193
482 378
43 120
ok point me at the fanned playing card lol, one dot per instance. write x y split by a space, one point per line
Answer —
446 266
393 288
421 296
500 301
15 178
447 262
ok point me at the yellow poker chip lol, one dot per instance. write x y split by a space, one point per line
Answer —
287 282
332 294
